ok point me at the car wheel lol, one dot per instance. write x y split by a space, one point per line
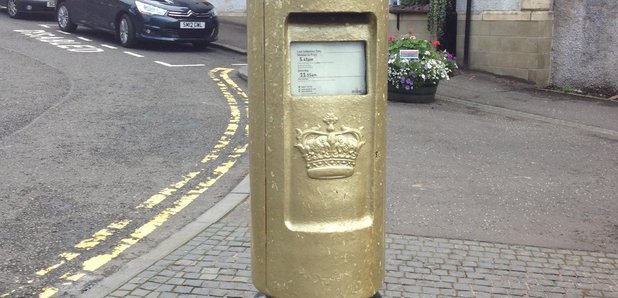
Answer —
11 9
126 31
64 19
200 45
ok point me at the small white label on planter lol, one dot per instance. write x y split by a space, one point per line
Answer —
408 54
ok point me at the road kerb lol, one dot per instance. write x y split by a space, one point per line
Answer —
134 267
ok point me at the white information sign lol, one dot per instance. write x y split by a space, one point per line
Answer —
328 68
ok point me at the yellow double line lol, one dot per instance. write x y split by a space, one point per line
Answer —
221 77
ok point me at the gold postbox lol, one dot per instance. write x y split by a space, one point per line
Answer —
317 103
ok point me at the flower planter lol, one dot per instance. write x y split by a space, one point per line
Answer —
417 65
423 94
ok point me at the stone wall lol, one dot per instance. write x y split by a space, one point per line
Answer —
585 54
489 5
515 43
409 24
230 6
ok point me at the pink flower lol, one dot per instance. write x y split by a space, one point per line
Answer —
391 38
436 43
412 37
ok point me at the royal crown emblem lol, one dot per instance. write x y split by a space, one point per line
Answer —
330 154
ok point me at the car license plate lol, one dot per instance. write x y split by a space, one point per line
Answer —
192 25
51 3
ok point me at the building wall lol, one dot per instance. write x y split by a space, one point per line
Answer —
409 24
230 6
511 38
489 5
585 52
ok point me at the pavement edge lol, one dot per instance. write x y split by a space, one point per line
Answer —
136 266
229 48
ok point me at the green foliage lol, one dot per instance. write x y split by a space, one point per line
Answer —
437 16
414 2
410 43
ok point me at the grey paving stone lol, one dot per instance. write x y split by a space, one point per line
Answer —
612 294
406 281
217 264
192 275
183 289
390 293
168 273
150 286
129 286
430 277
462 287
152 295
465 294
498 290
430 290
176 281
510 258
241 279
193 282
518 292
225 277
164 288
482 294
120 293
217 293
140 292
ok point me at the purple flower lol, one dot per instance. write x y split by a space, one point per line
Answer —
407 87
408 81
402 80
449 56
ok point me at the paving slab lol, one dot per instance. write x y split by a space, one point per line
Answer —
217 263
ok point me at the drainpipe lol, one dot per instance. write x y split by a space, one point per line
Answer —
466 58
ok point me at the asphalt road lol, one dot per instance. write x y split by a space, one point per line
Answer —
484 172
106 151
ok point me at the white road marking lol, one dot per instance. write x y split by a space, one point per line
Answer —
44 26
65 33
60 42
240 64
109 47
133 54
83 38
179 65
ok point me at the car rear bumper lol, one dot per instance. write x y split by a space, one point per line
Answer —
163 28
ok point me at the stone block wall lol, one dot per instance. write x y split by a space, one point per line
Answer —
409 24
515 43
585 52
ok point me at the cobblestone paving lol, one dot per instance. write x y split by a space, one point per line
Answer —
217 263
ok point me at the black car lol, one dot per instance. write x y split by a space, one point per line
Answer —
192 21
15 8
